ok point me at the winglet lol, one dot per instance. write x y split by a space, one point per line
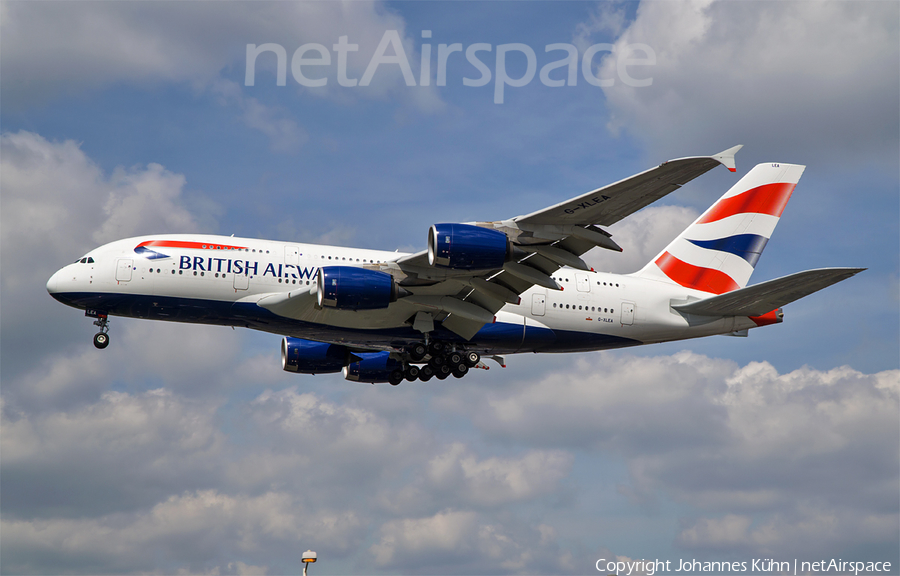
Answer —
726 157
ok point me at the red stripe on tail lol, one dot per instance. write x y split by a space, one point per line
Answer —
690 276
765 199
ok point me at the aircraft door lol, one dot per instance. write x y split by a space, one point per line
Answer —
582 282
628 313
123 269
538 304
241 281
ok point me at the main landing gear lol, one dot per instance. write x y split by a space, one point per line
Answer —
101 338
443 361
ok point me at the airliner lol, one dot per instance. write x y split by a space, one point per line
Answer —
479 291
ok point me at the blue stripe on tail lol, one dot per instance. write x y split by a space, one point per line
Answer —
747 246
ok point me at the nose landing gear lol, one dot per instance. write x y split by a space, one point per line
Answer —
101 338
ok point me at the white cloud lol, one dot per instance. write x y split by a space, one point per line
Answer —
283 132
642 236
187 529
57 204
454 541
120 452
496 481
794 79
71 48
784 450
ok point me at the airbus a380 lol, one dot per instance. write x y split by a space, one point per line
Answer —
480 290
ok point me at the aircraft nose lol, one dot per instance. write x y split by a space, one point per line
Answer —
55 283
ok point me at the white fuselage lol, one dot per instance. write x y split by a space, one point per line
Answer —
222 280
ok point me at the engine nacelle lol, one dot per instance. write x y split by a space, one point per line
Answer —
373 367
308 357
466 247
349 288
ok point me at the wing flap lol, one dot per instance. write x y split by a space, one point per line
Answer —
462 326
766 296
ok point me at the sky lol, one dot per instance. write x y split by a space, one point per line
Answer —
186 449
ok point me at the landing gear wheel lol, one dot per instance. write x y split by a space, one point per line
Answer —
442 371
396 377
441 376
460 370
411 373
426 373
417 352
437 361
472 358
436 348
101 340
454 358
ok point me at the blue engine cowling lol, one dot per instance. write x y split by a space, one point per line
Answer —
308 357
349 288
373 367
466 247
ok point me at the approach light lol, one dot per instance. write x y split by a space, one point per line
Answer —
308 558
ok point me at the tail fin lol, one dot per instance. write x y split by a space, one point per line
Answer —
718 252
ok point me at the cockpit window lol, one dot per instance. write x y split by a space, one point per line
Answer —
85 260
90 260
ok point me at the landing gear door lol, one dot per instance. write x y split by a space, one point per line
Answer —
628 313
123 269
538 304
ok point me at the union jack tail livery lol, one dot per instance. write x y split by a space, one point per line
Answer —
718 252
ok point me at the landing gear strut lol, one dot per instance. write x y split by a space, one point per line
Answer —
101 338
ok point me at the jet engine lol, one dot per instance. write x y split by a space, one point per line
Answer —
373 367
308 357
466 247
349 288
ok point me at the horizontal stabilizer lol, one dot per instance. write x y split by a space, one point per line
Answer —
762 298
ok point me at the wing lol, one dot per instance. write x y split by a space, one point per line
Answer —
606 206
539 244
